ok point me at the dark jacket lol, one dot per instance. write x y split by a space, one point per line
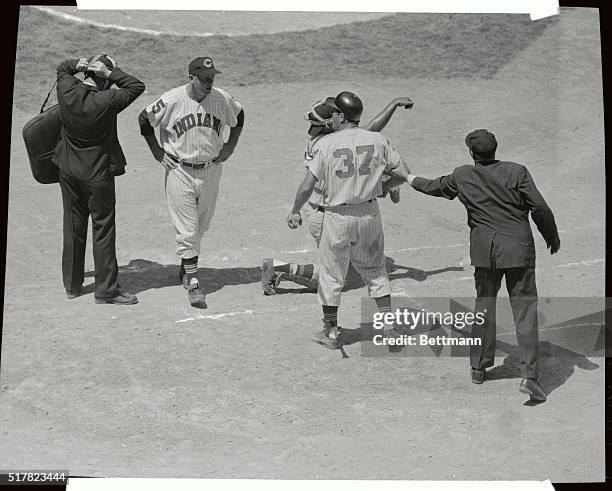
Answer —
498 197
89 148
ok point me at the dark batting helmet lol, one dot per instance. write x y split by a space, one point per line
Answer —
348 104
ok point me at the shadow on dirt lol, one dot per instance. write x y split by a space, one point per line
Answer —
396 272
140 275
556 364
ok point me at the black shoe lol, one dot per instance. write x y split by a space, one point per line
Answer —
478 375
122 298
531 387
71 294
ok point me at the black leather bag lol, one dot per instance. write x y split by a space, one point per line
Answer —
40 135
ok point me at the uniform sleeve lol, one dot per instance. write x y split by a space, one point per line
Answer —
442 187
541 214
313 161
156 110
231 108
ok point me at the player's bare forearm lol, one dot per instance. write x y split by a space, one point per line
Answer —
304 192
381 119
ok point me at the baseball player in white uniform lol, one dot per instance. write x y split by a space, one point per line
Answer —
347 167
319 116
191 119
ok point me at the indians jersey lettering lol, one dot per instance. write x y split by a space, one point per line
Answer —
191 130
350 163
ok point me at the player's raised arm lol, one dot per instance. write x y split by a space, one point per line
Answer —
379 121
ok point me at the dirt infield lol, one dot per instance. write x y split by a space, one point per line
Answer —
238 390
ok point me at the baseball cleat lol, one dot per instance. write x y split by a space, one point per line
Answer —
310 283
328 336
394 194
122 298
324 340
478 375
196 295
531 387
268 277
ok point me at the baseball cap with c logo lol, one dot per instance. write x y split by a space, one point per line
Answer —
202 66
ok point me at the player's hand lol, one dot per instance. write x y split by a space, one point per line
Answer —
294 220
82 65
99 69
226 152
403 102
164 160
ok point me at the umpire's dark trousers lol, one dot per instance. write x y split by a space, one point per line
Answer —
523 294
82 199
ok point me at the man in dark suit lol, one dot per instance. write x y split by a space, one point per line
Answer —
498 197
89 157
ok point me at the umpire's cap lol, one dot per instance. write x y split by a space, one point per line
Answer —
107 60
481 142
202 66
348 104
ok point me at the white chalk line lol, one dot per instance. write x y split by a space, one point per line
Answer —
407 249
582 263
151 32
214 316
590 262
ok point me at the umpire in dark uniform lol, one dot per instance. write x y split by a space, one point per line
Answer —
89 157
498 196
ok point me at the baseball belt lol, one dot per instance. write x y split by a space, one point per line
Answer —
322 209
196 165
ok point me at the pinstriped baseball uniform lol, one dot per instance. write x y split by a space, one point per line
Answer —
314 216
349 166
192 132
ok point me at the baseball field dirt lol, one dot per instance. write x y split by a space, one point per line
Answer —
238 390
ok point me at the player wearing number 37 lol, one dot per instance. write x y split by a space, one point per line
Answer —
348 166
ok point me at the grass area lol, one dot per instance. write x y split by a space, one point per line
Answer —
400 45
